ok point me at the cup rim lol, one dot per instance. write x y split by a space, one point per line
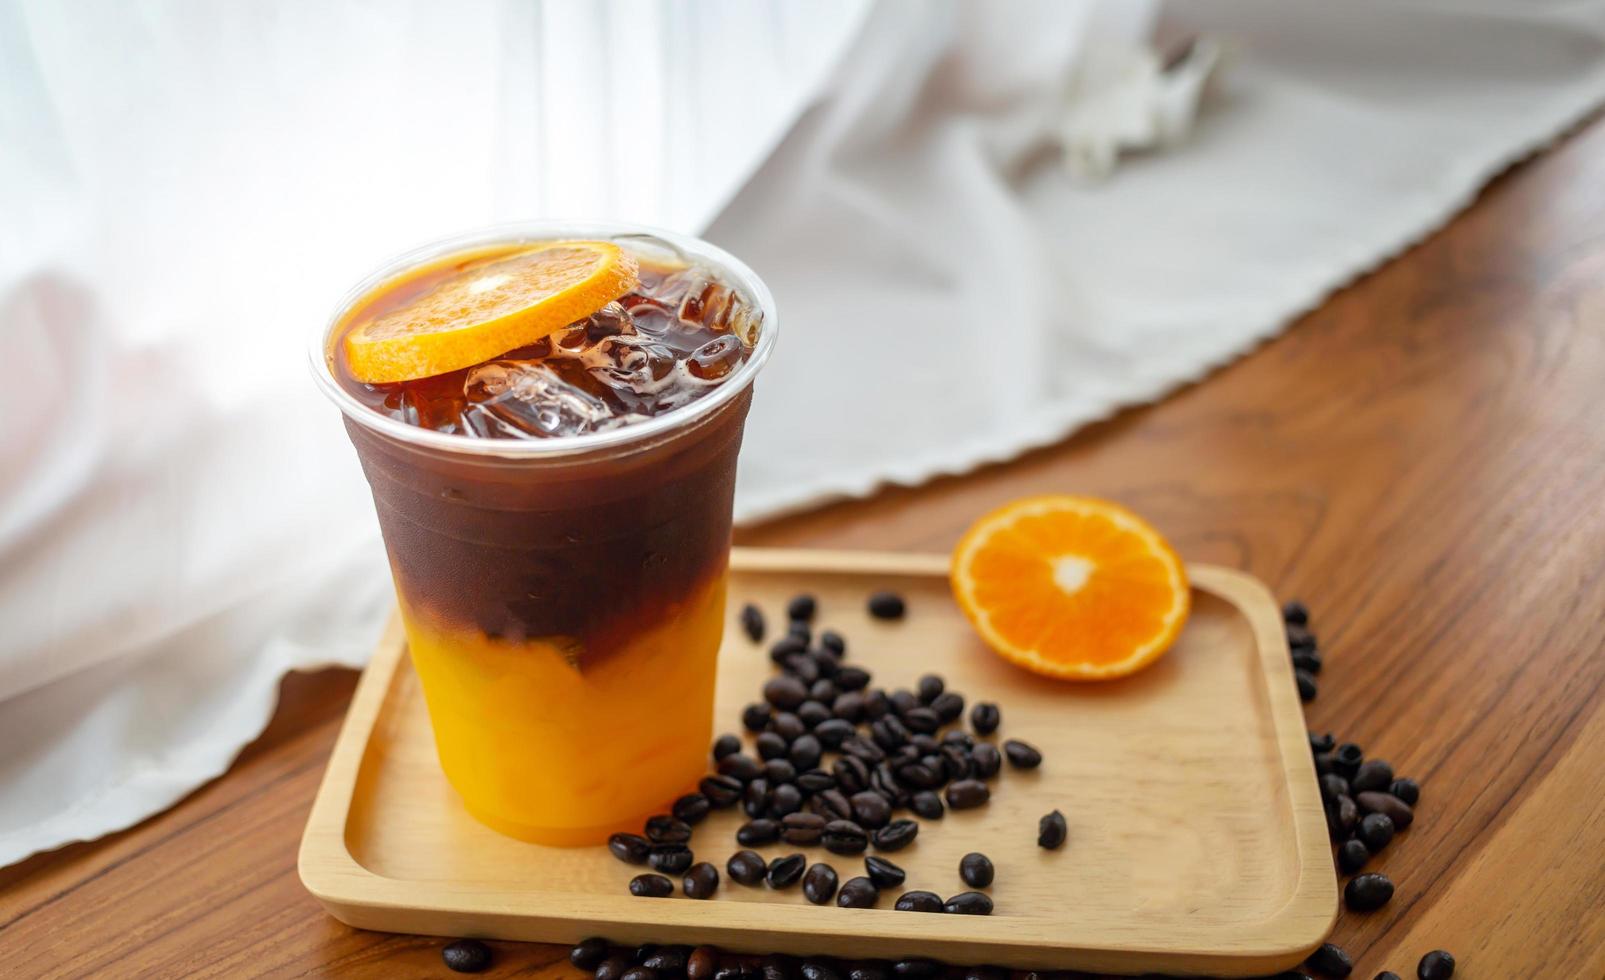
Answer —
320 360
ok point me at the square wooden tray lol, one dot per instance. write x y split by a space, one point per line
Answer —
1197 842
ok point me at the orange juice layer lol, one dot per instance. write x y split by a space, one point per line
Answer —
545 753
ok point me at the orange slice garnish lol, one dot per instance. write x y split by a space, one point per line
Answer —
488 309
1071 587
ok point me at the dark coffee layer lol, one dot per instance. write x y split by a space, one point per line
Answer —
590 550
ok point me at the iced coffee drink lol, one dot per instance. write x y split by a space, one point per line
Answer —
549 421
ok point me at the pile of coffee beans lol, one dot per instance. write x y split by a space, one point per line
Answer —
836 761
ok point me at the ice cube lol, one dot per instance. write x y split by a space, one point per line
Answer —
634 364
715 359
528 399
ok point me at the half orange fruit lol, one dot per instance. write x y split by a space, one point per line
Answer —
488 308
1071 587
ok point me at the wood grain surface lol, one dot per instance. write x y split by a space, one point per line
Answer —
1422 459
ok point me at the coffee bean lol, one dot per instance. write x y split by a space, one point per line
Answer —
1386 975
896 835
1322 743
1436 965
818 970
883 781
919 775
1341 817
1352 855
741 766
889 733
1294 613
958 737
1373 776
1021 755
1367 892
802 829
784 871
917 969
929 687
1324 764
770 746
968 903
785 691
755 717
1376 831
824 691
670 858
801 607
755 798
967 794
949 706
812 713
669 960
1406 790
643 951
851 773
927 804
976 869
849 707
1397 810
806 752
852 679
701 881
819 884
815 781
784 800
702 963
1308 661
903 701
864 749
844 837
826 663
803 667
466 956
1051 831
630 848
835 805
725 745
858 893
832 732
691 808
752 622
985 718
721 791
588 953
985 760
867 971
1307 686
1346 759
652 886
870 809
884 873
1300 638
757 833
664 829
638 973
1331 960
886 605
779 772
922 720
615 965
876 704
746 867
918 901
1333 786
983 973
833 641
788 726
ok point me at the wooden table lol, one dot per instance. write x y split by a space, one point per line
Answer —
1422 459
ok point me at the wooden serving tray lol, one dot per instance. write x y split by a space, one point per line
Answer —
1197 841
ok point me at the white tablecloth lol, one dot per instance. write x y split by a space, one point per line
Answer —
185 195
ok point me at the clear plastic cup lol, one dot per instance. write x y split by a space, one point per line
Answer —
564 598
